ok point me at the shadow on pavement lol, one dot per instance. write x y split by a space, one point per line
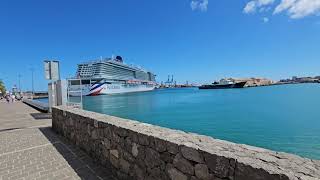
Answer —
81 163
40 116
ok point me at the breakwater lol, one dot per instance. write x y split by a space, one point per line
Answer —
137 150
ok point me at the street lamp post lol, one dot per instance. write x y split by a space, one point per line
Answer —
19 77
32 70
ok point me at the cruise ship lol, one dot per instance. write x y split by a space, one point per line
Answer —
110 76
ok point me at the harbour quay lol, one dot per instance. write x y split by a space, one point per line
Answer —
41 106
135 150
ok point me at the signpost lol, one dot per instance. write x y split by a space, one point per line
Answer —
52 73
52 70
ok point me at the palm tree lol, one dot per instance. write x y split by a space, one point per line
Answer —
2 87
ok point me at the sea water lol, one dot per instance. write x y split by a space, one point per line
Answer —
282 118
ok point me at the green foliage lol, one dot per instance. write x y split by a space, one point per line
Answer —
2 87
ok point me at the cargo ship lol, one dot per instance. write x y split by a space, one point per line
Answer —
110 76
224 84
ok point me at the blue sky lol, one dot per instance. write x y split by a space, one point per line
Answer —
198 41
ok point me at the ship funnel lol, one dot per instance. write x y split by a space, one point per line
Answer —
119 59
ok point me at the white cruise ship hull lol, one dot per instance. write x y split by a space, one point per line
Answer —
107 88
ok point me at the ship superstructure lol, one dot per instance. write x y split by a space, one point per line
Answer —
111 76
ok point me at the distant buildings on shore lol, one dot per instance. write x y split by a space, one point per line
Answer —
296 79
252 82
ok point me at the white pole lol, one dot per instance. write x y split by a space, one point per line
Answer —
81 94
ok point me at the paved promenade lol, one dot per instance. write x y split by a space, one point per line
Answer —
29 149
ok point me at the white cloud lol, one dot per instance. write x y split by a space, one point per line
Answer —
265 20
265 2
294 8
253 5
264 9
201 5
284 5
250 7
298 8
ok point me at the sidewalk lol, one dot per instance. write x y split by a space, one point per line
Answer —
29 149
19 116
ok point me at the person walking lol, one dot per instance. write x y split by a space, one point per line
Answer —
13 97
8 98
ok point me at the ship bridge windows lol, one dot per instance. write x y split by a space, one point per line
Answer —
85 81
77 82
74 82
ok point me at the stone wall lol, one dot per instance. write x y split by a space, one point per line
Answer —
141 151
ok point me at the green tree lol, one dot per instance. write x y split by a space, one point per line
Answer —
2 87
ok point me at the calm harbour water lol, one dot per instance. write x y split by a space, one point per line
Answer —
45 100
283 118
